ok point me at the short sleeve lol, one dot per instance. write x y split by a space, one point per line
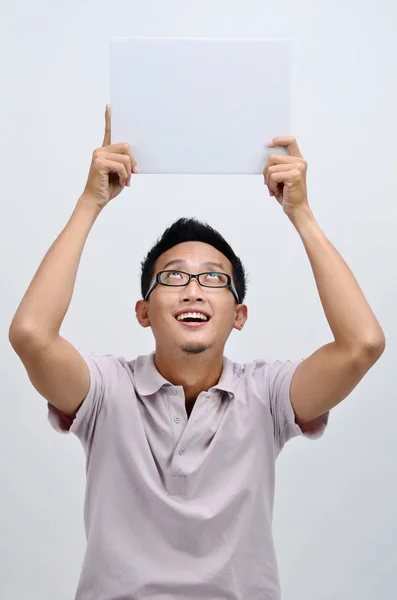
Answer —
276 380
104 372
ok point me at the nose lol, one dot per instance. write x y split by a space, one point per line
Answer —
192 291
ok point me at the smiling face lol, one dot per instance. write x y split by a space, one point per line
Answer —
215 307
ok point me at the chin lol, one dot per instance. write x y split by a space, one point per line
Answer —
194 348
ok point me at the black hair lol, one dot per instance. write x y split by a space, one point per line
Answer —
191 230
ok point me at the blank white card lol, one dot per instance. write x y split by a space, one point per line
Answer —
200 105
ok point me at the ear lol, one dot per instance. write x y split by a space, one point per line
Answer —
142 313
240 317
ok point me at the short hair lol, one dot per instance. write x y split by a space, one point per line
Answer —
192 230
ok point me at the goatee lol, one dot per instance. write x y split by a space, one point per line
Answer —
194 348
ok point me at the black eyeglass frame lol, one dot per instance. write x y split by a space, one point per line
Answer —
228 284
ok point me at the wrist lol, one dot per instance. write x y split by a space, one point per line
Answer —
302 217
88 205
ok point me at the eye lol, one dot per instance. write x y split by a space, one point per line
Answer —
213 277
172 277
216 279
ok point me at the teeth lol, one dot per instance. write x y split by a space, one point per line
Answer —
192 315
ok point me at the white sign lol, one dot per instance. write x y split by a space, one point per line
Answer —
200 105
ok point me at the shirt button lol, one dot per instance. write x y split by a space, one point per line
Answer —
177 419
173 392
182 451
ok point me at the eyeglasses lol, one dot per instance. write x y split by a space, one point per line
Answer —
211 279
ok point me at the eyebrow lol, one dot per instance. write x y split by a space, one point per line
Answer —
180 261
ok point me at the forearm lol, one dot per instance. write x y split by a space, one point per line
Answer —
352 322
44 306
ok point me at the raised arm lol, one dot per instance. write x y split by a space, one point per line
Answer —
54 366
327 376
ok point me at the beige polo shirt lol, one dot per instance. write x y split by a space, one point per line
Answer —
178 508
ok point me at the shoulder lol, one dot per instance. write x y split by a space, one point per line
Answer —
263 374
253 368
107 369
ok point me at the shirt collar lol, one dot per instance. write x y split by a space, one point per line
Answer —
149 381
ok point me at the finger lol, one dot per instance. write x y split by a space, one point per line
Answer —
125 159
277 169
279 160
108 128
287 142
134 164
278 179
125 149
116 167
122 148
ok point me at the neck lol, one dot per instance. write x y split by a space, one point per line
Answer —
196 373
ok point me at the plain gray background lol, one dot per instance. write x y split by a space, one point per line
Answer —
335 522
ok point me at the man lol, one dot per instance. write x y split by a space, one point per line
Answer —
181 444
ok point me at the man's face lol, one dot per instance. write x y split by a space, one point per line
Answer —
165 303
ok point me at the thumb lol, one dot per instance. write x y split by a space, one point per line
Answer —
108 128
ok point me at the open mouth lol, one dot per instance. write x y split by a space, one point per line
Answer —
192 319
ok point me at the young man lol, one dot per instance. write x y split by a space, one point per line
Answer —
181 444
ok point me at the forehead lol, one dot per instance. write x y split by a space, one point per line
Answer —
194 256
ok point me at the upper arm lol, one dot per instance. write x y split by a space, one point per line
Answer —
273 382
325 378
57 371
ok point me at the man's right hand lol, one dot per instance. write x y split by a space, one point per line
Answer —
111 168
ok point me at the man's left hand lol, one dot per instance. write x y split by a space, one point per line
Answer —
285 176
